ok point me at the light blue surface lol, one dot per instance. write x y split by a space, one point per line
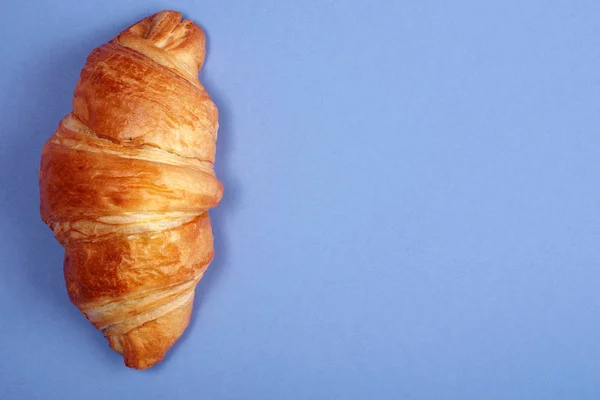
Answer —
412 205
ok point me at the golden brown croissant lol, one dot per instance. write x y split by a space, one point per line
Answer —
126 182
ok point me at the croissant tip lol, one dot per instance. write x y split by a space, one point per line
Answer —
142 364
168 11
166 31
147 344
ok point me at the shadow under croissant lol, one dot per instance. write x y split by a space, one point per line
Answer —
42 103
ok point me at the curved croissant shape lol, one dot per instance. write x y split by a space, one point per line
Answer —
126 182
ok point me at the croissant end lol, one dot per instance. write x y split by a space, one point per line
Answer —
144 346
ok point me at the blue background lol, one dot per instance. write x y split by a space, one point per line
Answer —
412 205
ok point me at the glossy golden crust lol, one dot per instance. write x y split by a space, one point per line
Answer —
126 182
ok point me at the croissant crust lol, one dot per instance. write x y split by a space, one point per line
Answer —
126 182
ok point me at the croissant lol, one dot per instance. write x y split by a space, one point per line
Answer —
126 182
